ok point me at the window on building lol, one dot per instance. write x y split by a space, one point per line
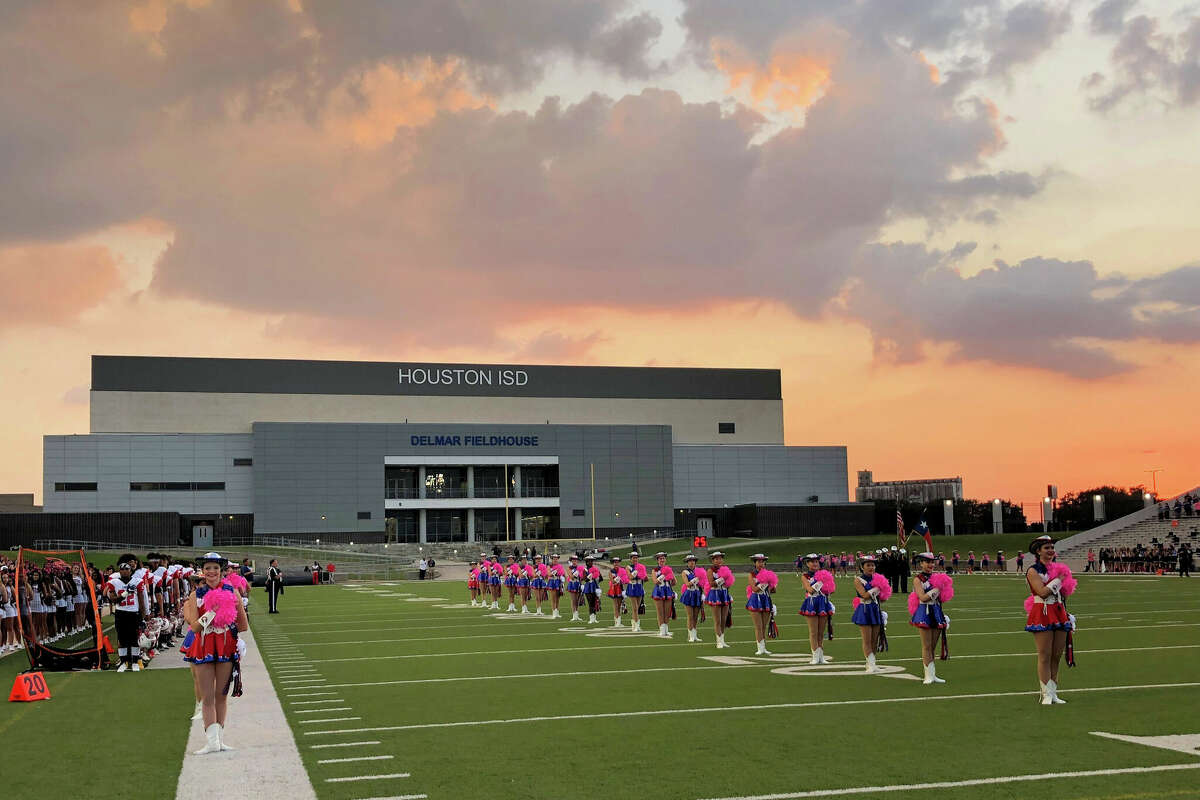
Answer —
364 515
74 487
578 512
243 462
177 486
725 427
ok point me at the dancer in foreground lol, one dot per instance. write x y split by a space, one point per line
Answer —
759 603
927 615
1046 615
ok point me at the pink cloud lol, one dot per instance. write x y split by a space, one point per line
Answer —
54 284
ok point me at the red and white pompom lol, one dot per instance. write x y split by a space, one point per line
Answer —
944 584
825 577
224 604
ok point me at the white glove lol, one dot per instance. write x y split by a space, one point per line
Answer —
762 587
693 583
241 648
816 586
932 594
206 620
623 593
1054 585
719 582
874 592
598 592
883 614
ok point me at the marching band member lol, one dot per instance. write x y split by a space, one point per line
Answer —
928 617
695 587
636 591
721 580
575 579
663 594
510 582
816 607
473 580
868 616
1047 618
215 615
759 589
590 575
538 582
618 579
122 591
556 577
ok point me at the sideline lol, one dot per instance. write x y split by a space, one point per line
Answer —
925 698
266 753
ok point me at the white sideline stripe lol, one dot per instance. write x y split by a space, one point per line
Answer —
911 787
1021 632
322 710
356 758
331 719
316 694
733 666
813 704
313 702
368 778
399 797
343 744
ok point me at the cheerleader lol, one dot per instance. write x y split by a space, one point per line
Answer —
970 562
636 591
555 578
524 578
590 575
816 606
495 577
537 582
663 594
510 582
1047 618
575 580
122 591
928 616
759 589
8 611
618 579
868 616
473 581
718 595
214 615
984 562
694 588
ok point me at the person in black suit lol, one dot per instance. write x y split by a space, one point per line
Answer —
274 586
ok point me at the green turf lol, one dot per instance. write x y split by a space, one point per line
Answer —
379 636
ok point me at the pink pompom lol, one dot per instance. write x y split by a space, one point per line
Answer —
1028 604
881 583
825 577
913 602
944 584
1057 569
854 603
224 603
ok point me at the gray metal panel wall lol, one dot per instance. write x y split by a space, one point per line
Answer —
306 471
713 476
113 461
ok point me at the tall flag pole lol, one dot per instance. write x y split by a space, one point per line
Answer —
900 537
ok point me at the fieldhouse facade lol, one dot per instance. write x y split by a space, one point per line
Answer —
437 452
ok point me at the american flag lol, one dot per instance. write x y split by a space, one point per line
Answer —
899 527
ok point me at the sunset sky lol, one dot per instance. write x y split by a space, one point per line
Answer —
965 230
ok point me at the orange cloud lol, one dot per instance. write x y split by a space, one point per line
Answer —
54 283
934 75
790 81
370 110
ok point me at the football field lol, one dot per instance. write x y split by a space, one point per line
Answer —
402 689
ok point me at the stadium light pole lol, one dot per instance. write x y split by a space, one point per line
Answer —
997 516
1154 479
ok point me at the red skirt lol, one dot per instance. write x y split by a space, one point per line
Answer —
217 646
614 590
472 583
1047 617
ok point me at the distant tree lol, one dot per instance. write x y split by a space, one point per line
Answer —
970 516
1074 510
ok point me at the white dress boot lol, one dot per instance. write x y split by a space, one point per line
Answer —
721 641
221 738
473 604
213 744
199 712
511 608
524 609
575 616
1044 694
816 657
495 606
538 613
555 615
662 631
761 648
637 626
591 619
872 667
1052 686
931 674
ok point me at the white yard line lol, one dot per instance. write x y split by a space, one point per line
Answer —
322 710
912 787
331 719
368 777
343 744
313 702
356 758
780 663
399 797
924 698
266 751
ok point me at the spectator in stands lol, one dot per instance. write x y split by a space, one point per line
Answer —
1091 561
1185 562
330 568
422 568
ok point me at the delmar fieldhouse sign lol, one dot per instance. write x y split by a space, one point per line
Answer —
472 440
462 376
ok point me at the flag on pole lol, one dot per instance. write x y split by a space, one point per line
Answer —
900 537
923 530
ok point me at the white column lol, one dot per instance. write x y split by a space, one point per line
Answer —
516 473
470 481
470 524
421 488
517 522
423 535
